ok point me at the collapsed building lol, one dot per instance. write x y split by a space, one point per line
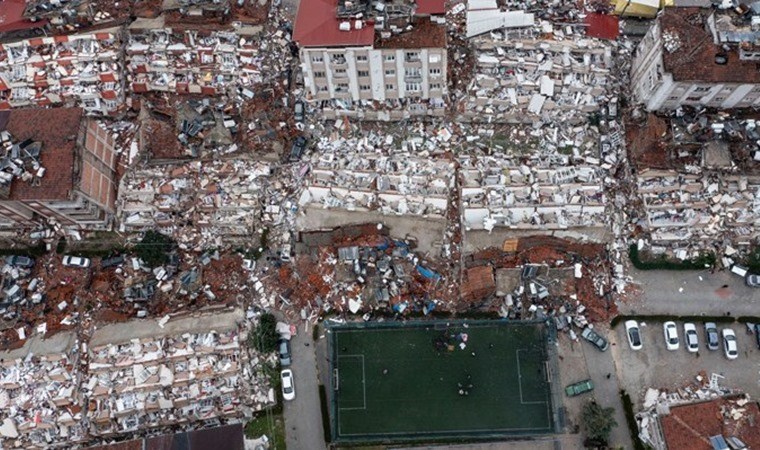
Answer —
186 60
356 52
699 57
63 174
698 182
81 70
195 200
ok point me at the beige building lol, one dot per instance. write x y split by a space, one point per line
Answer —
697 57
64 173
352 51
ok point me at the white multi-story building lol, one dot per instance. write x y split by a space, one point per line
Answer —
697 57
352 51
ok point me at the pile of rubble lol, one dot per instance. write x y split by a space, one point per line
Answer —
72 70
702 190
42 402
200 204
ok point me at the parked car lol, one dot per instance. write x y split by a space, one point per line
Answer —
111 262
76 261
752 280
671 335
690 337
298 111
288 385
19 261
593 337
298 148
283 349
711 336
634 334
729 343
579 388
757 334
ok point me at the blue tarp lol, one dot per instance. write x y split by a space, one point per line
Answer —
427 273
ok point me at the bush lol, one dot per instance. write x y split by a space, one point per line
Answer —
598 422
263 337
325 413
704 261
630 417
154 248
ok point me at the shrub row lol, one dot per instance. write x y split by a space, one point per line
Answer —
630 418
704 261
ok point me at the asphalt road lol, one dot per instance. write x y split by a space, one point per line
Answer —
691 293
303 417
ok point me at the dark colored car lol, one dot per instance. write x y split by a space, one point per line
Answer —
19 261
711 336
298 148
592 336
298 111
283 350
757 334
111 262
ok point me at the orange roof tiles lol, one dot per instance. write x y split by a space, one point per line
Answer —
689 427
317 26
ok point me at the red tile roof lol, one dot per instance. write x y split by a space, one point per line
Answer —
317 26
431 7
57 129
603 26
689 427
12 17
694 60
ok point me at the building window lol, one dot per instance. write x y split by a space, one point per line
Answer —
319 74
338 58
434 58
390 58
361 58
413 87
435 71
412 72
364 87
341 87
718 99
412 56
364 73
322 88
390 72
340 72
435 86
317 59
674 97
389 87
701 89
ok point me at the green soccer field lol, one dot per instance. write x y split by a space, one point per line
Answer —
416 381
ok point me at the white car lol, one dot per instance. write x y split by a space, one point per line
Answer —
671 335
729 343
690 337
634 334
76 261
288 386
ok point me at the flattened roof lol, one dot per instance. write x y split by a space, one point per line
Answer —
12 17
690 427
57 129
431 7
317 26
694 60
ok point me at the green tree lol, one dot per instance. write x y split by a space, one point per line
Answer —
263 337
154 248
598 422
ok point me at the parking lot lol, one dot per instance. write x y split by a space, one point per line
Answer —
656 367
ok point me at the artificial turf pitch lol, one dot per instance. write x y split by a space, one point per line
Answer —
395 383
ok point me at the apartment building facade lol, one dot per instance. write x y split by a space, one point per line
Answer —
684 59
349 60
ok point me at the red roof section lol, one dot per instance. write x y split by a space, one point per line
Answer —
431 7
602 26
317 26
689 427
12 17
57 129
